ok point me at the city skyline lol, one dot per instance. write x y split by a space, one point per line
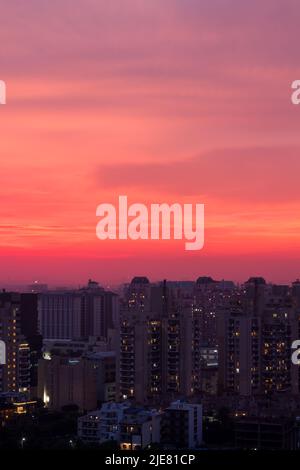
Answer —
205 365
41 284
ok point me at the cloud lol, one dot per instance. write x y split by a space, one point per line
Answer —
140 38
251 174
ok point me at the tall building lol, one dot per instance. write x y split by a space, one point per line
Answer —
239 353
30 329
60 314
15 373
155 353
99 310
90 311
137 293
256 327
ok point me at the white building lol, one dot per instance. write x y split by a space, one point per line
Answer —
139 428
102 425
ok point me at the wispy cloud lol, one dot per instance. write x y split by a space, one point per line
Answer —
250 175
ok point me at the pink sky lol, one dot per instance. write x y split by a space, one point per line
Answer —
165 101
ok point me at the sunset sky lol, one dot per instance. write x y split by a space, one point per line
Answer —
161 100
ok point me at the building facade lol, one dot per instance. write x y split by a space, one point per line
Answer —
15 372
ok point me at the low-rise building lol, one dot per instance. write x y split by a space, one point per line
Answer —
181 425
13 404
139 428
263 433
102 425
132 428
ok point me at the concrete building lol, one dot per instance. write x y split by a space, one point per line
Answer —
74 347
104 364
30 330
69 314
15 372
86 380
155 355
139 428
102 425
181 425
256 327
60 314
167 332
207 295
67 381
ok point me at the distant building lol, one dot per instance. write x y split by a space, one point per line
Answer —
60 315
15 373
256 327
155 354
30 330
89 311
167 334
37 288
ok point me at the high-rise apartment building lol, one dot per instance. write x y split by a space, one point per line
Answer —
155 353
256 327
90 311
60 314
15 373
208 294
30 330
